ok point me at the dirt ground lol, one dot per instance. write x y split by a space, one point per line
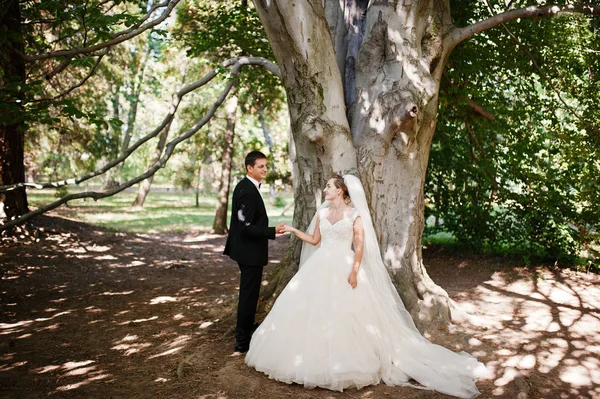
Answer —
90 313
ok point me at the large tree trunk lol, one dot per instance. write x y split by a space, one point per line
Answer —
12 128
321 139
390 87
220 222
393 121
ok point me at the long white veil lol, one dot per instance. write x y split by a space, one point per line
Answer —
409 355
372 262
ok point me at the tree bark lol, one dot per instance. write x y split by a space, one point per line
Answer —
12 126
220 222
320 134
393 121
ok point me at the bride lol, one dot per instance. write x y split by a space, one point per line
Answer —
340 322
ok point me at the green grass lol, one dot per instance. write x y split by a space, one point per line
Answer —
163 212
440 238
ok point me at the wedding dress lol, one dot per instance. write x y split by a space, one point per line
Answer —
322 332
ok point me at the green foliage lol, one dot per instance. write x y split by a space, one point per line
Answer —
61 191
218 30
86 126
279 202
526 182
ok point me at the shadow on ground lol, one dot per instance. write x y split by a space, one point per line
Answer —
90 313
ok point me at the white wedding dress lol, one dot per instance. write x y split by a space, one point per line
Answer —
322 332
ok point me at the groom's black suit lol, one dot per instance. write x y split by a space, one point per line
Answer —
247 244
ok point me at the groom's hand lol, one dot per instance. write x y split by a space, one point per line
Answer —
280 229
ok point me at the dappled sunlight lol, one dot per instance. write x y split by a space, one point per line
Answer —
108 293
542 328
173 346
10 366
135 263
139 305
163 299
8 328
105 257
136 321
128 345
83 310
98 376
45 369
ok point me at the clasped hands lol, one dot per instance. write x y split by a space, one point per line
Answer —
284 228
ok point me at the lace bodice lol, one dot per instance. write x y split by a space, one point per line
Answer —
339 234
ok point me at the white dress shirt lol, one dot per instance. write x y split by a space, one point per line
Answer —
255 182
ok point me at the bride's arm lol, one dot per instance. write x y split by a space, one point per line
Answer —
313 239
359 238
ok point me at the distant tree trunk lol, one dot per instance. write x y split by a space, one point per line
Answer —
144 188
197 187
134 99
116 114
145 185
269 140
206 159
220 223
12 128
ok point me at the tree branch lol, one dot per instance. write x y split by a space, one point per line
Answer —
61 67
458 35
479 109
237 63
81 83
118 37
151 171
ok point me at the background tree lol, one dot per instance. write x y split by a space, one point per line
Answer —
386 60
60 48
12 115
215 30
510 163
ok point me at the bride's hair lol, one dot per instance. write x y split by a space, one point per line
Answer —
338 182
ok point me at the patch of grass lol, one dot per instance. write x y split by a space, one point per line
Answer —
440 238
162 212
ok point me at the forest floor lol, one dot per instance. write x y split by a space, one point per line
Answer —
87 312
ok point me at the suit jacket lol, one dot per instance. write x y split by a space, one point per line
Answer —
249 231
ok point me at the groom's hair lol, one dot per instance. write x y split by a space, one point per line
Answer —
252 157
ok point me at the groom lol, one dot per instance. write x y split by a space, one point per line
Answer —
247 243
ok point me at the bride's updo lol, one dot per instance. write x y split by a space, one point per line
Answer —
338 182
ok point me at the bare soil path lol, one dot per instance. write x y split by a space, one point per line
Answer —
90 313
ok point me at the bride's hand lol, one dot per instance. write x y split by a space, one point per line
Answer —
288 229
352 279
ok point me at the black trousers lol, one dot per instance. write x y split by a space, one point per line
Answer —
250 281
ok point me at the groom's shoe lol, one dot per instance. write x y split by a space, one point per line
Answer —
240 348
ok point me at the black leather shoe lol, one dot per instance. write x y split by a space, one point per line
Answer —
241 349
